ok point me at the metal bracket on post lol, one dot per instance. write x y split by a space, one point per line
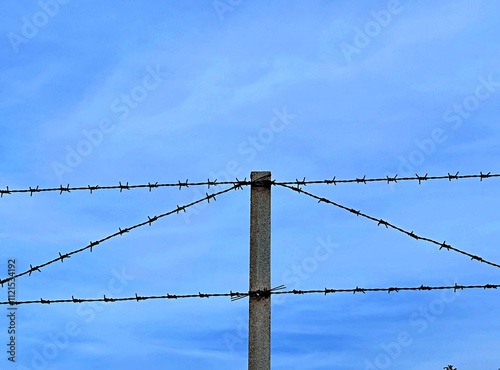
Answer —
259 336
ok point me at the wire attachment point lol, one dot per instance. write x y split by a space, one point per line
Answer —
239 184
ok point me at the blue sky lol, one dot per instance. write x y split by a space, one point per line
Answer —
102 92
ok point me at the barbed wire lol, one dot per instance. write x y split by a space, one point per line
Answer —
120 231
185 184
263 293
395 179
68 189
442 245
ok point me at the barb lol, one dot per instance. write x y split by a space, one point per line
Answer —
395 179
257 293
388 224
120 231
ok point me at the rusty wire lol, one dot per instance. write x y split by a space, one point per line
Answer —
120 231
185 184
263 293
442 245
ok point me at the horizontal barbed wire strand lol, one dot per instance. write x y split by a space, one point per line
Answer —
388 224
67 189
395 179
258 293
120 232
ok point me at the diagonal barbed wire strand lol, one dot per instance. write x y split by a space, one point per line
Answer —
263 293
185 184
120 231
442 245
